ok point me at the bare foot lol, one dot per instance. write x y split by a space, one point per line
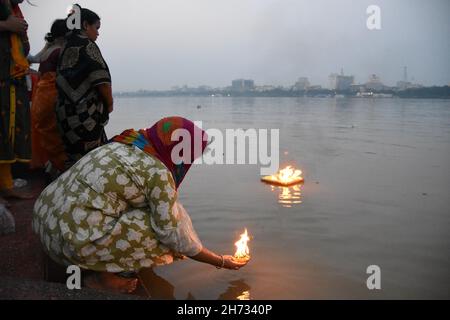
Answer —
13 194
110 282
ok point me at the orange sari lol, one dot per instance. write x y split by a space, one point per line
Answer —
47 144
19 63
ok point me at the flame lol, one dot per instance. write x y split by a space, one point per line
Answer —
244 296
287 175
242 250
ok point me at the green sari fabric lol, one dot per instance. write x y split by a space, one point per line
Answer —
115 210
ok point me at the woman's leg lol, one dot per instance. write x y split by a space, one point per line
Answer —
6 185
6 181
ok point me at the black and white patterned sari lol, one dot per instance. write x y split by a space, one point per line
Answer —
80 113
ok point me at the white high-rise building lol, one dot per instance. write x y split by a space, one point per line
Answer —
340 82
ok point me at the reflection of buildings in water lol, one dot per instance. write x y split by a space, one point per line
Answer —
288 196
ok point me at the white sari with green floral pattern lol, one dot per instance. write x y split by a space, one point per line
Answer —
115 210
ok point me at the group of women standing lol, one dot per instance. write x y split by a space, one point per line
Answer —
76 80
113 207
71 98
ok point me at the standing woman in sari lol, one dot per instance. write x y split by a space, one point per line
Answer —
47 145
85 98
15 142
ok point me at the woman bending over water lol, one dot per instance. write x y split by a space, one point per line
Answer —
117 210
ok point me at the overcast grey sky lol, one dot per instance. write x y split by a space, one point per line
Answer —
156 44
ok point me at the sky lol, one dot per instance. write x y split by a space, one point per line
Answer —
158 44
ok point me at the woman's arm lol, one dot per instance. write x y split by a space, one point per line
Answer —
37 57
105 91
174 228
226 261
14 24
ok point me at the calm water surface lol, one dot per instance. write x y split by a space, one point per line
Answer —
376 191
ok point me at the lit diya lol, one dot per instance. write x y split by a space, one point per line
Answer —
242 252
285 177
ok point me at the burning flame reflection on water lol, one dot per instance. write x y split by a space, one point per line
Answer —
288 196
244 296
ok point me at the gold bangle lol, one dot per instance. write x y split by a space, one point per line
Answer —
223 263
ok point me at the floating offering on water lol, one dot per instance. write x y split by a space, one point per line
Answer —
285 177
242 251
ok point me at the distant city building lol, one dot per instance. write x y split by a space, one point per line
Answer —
357 88
405 83
264 88
242 85
183 88
302 84
204 88
402 85
374 83
340 82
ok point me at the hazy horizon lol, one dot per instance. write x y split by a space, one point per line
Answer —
159 44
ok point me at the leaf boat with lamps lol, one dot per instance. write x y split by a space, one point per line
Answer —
285 177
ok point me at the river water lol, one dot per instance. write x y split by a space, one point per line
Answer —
376 192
